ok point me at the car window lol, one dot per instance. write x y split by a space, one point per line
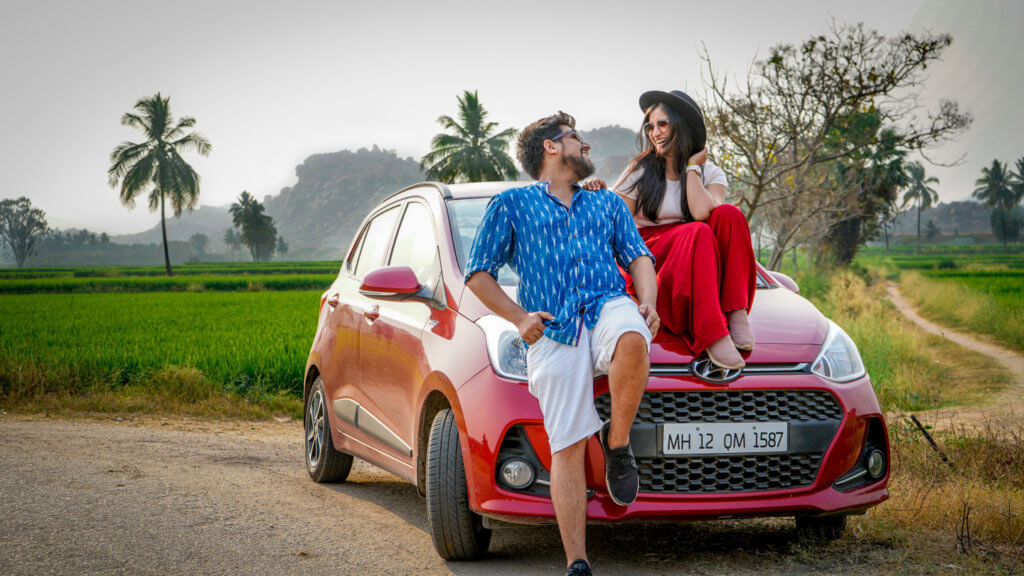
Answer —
375 242
415 245
465 215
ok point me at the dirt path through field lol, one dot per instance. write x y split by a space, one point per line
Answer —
1010 401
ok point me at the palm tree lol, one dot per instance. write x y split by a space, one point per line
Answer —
1017 185
258 230
997 191
919 191
156 164
470 151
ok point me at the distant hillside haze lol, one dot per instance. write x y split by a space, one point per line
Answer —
319 214
209 220
952 218
611 149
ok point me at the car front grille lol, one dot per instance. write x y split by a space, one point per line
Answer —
724 474
730 473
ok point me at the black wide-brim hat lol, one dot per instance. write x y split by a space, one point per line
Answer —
682 103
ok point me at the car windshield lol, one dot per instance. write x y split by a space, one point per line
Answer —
465 215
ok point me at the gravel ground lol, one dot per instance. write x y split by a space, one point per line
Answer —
187 497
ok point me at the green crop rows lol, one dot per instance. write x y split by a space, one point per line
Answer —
241 340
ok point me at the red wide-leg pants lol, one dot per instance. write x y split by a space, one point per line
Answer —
704 270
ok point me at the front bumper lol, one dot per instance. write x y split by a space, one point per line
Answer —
492 405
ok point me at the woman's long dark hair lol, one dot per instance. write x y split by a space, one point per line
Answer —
650 189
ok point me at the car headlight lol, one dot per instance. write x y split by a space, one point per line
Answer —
504 347
839 360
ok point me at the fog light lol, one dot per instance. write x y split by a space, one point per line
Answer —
517 474
876 464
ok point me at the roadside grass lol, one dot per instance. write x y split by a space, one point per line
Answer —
970 508
155 351
171 390
967 512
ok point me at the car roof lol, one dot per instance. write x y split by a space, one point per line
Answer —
459 191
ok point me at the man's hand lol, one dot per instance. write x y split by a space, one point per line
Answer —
651 316
531 326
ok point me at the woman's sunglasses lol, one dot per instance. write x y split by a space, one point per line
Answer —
649 126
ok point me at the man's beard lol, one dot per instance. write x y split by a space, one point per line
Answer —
580 165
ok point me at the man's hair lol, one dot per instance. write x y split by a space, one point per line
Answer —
531 140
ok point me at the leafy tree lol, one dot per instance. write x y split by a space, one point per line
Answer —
920 192
774 134
931 231
199 242
997 191
21 228
1007 225
258 232
871 177
282 247
155 165
233 241
470 151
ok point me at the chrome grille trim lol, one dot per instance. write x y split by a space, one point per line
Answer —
684 369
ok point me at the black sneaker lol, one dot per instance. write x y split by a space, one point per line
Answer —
579 568
620 472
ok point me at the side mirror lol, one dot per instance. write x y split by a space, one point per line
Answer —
390 282
785 281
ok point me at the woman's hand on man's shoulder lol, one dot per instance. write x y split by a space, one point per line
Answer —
594 184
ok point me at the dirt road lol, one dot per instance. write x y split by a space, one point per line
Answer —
193 498
1008 402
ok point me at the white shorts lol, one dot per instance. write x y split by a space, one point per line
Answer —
562 377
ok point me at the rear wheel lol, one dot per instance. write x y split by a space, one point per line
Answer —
323 462
458 533
821 527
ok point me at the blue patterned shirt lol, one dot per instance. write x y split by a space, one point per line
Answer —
565 257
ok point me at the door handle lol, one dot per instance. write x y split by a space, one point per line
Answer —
333 300
372 312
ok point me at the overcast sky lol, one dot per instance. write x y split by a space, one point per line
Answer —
273 82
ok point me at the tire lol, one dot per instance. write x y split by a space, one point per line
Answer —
821 527
458 533
323 462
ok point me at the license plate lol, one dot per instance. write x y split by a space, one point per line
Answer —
724 438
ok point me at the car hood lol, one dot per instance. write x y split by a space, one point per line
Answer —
787 328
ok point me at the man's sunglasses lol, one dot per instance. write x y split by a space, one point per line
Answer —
570 132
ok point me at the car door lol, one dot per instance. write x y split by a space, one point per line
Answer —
393 363
349 311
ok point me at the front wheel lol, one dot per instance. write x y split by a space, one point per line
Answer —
458 533
323 462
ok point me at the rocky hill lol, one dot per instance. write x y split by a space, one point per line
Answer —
321 212
611 148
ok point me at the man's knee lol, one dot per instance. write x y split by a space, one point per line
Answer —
632 347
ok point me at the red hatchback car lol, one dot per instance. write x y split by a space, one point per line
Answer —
410 372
